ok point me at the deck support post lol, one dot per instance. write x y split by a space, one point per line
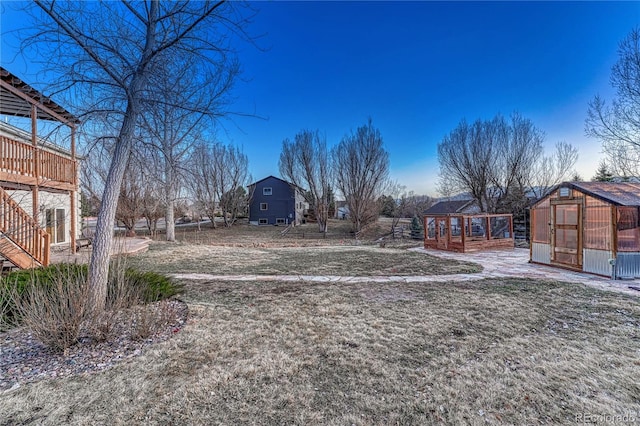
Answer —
73 192
36 163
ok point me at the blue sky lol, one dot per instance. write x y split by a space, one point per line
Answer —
417 69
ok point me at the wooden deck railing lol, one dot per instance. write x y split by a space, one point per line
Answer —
17 158
22 230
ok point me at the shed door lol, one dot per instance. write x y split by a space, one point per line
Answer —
566 242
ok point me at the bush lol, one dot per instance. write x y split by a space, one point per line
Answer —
51 301
153 286
14 286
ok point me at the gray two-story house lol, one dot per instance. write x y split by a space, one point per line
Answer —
275 202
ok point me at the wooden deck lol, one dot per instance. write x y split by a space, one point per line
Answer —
25 164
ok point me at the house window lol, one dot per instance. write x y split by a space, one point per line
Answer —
55 225
264 206
280 221
263 221
267 191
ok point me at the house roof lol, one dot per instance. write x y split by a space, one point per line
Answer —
617 193
270 176
17 98
282 180
446 207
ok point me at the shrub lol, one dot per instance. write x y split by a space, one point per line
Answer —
14 286
153 286
51 301
52 305
146 320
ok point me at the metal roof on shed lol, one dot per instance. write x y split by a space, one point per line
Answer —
616 193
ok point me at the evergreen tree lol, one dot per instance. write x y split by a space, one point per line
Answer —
387 205
417 229
602 173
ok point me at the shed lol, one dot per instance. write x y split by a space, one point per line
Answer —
589 226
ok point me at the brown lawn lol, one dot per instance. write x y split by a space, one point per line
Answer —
318 260
505 351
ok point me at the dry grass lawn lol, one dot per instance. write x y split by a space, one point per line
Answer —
243 234
489 352
328 260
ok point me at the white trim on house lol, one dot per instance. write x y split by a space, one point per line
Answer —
267 190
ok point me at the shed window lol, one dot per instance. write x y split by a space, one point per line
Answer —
564 192
264 206
267 191
263 221
280 221
628 229
540 222
597 224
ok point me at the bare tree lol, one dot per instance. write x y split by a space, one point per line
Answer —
131 198
618 125
219 175
551 170
152 186
172 131
361 167
140 193
202 183
415 205
110 54
498 161
305 162
231 175
394 203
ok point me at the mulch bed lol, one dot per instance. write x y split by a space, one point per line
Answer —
23 359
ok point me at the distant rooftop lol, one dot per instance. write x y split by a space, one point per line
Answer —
449 206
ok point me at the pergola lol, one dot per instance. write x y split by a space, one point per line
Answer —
464 233
19 99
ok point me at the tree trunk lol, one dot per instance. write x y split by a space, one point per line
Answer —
169 219
169 214
103 238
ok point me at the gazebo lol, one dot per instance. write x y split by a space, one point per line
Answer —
464 233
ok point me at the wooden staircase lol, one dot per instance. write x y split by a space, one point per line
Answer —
22 241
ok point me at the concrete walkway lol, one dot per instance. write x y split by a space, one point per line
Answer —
496 264
121 245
